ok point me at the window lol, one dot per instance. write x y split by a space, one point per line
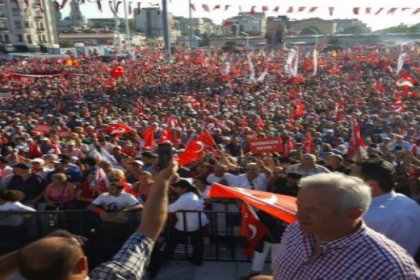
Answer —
18 24
6 38
19 37
28 39
27 25
44 38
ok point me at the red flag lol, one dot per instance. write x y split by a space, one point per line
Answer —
416 11
357 147
280 206
379 87
397 106
391 11
301 9
276 9
227 23
334 69
206 7
251 228
192 7
207 139
259 122
130 10
118 129
356 10
227 7
253 10
300 109
216 7
313 9
290 10
138 10
379 11
367 10
99 4
166 136
331 10
149 136
292 94
264 8
194 151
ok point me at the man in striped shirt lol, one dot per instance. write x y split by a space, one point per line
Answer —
330 240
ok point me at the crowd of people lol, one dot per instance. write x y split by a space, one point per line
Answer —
75 136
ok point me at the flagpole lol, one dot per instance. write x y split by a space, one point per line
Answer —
117 31
190 25
127 28
165 28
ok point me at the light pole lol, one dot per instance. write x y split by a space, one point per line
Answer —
127 29
165 27
190 25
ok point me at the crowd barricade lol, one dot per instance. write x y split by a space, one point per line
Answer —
105 238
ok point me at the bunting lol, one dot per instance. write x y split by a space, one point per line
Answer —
331 10
206 7
227 7
192 7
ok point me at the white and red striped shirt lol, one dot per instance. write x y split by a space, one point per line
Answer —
364 254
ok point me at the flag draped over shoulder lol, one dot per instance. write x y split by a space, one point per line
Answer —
282 207
251 228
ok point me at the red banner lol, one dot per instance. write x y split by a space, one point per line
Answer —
42 128
266 145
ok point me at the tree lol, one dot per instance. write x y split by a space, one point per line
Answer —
311 30
356 29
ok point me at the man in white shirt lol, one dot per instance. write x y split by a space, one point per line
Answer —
253 179
112 205
6 172
221 176
392 214
307 166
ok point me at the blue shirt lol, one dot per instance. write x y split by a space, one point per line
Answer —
397 217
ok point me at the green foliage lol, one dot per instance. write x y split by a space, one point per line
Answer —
311 30
402 28
356 29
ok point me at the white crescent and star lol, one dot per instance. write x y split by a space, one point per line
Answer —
202 146
253 230
118 130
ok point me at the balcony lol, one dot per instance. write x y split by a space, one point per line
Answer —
39 17
40 29
3 29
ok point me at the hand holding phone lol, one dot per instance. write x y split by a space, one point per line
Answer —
165 155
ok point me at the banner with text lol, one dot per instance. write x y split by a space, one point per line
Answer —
266 145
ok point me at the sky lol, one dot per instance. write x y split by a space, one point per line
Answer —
343 9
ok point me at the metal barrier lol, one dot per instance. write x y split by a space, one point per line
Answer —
105 238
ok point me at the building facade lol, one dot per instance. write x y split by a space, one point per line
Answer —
249 23
326 26
27 28
275 32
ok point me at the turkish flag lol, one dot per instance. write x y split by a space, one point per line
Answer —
227 23
149 136
260 122
166 136
251 228
357 147
118 129
194 151
207 139
280 206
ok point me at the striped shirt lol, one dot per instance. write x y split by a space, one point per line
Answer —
364 254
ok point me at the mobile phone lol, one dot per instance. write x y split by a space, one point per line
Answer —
165 155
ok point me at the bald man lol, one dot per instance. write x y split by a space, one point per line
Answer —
60 256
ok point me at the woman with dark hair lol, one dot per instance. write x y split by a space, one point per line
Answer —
9 201
188 224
